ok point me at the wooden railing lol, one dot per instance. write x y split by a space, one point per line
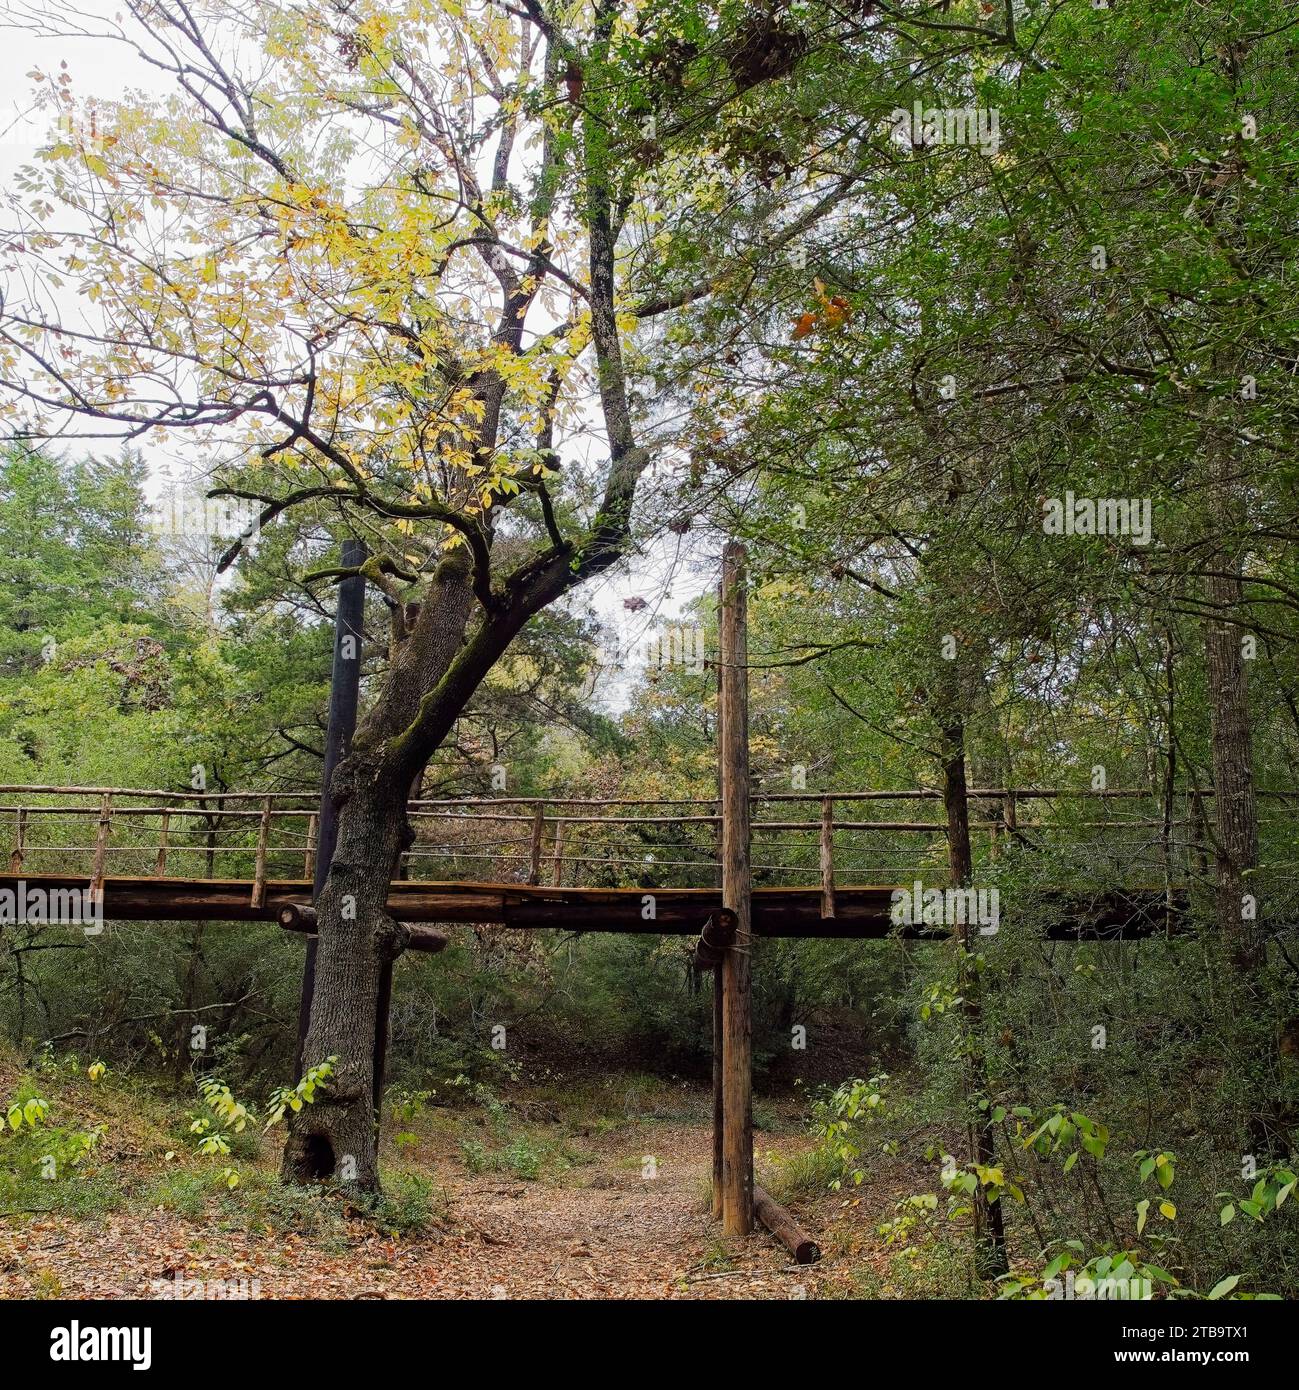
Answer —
571 841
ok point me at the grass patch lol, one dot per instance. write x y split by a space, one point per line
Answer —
525 1157
938 1270
407 1206
807 1173
179 1190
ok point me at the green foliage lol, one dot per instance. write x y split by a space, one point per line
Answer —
835 1119
303 1093
1275 1184
1123 1275
44 1165
215 1135
407 1207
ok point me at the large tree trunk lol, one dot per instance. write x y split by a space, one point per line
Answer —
337 1135
435 673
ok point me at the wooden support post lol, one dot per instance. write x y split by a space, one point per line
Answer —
297 917
538 834
20 839
344 696
737 887
719 1115
259 869
719 1112
301 917
382 1029
101 846
557 868
827 856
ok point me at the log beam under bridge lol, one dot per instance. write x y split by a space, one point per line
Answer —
860 911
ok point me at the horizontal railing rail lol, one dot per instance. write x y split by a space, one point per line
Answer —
599 841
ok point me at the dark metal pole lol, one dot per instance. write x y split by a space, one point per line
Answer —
382 1023
344 694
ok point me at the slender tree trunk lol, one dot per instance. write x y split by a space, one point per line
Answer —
1234 804
1235 807
1169 789
989 1230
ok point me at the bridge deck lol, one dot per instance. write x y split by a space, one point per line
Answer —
860 910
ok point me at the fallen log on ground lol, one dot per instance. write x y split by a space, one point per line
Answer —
783 1226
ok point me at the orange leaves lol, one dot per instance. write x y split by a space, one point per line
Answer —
837 312
833 312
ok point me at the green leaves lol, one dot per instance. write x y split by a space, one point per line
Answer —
31 1113
223 1104
1112 1274
1060 1132
1273 1188
1160 1164
293 1098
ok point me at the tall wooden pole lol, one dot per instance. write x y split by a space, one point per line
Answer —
737 888
344 696
719 1094
719 1089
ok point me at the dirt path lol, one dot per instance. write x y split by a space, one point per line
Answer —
603 1230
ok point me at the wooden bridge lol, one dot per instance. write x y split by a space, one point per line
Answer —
531 862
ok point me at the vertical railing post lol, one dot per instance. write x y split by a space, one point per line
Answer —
827 856
20 842
263 839
309 855
557 867
101 846
160 860
538 834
